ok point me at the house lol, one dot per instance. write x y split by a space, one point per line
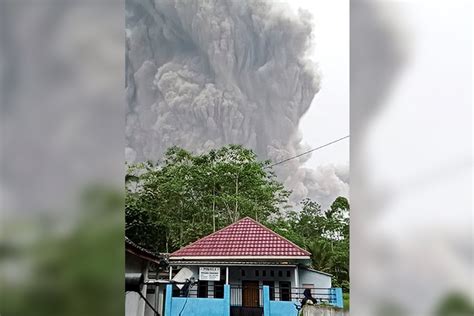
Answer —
140 265
247 256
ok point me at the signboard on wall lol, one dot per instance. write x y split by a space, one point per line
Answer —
209 273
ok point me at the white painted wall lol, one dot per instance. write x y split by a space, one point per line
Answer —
235 277
318 280
153 299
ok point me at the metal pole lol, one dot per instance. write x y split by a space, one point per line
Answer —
227 275
297 280
171 272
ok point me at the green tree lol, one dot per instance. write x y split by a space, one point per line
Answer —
324 233
454 304
74 267
186 196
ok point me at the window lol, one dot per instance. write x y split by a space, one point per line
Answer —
242 272
257 273
288 273
271 285
150 289
272 273
285 288
264 273
280 273
203 289
219 289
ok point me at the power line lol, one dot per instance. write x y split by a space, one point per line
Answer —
309 151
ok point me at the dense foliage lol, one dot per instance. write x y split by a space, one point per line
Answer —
66 266
186 196
172 203
324 233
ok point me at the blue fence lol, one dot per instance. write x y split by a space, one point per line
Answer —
277 308
193 306
332 296
337 295
185 306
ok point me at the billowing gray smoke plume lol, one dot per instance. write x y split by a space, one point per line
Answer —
202 74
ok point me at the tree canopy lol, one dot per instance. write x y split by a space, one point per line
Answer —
323 233
185 196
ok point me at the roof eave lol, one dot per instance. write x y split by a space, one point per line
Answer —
142 252
279 258
317 271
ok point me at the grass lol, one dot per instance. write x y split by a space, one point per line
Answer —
346 300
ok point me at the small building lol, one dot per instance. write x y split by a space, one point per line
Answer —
247 256
147 264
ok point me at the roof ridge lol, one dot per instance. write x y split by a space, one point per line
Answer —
229 230
189 245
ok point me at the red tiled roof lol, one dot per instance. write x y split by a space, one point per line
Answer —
244 238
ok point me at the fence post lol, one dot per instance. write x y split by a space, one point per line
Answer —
339 302
266 300
226 300
169 295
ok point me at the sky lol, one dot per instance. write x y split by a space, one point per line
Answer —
417 164
328 117
436 80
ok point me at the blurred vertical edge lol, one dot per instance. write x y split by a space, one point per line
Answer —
411 158
62 157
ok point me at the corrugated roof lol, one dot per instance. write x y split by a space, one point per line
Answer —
245 238
142 252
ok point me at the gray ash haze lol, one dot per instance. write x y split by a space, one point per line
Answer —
61 118
204 74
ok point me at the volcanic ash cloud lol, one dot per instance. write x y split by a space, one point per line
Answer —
202 74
